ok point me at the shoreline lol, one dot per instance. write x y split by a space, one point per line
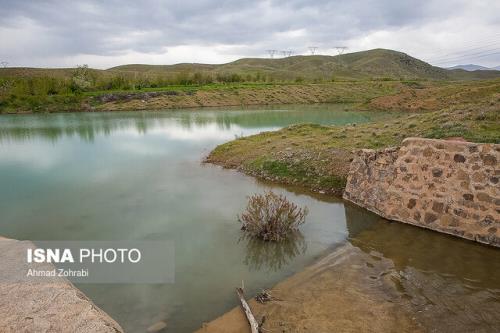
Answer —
407 96
310 301
208 96
195 107
366 284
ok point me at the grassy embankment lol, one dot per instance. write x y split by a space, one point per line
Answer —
317 157
353 77
215 94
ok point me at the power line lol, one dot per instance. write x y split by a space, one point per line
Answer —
477 42
271 53
464 52
313 49
469 46
472 56
286 53
340 49
469 53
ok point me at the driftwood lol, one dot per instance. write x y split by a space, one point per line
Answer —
254 326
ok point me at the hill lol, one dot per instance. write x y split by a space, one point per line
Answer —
372 64
378 63
470 67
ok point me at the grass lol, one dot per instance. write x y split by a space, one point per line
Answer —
355 77
317 157
183 96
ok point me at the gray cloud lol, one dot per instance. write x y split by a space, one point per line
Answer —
51 33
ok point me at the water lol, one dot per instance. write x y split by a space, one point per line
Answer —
138 175
448 284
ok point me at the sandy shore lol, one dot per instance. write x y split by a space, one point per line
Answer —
388 277
343 292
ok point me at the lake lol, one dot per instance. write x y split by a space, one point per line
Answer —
139 176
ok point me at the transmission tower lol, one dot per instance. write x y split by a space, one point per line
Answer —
4 64
289 53
313 49
341 49
284 53
271 53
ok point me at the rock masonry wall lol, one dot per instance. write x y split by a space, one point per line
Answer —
447 186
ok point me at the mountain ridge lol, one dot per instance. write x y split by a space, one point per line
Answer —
380 64
473 67
364 64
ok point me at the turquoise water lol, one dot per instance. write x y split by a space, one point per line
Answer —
139 176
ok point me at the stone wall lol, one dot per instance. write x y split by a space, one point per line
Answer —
54 305
447 186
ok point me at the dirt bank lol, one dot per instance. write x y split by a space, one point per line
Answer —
337 294
387 277
339 92
318 157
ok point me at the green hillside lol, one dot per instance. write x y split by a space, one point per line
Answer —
372 64
244 81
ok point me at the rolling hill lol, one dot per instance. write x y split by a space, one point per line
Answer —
371 64
470 67
378 63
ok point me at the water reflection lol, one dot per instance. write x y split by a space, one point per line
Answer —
450 284
272 256
87 126
138 176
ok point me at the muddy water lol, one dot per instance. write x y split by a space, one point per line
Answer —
386 277
447 284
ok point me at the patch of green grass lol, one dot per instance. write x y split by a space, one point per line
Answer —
320 155
333 182
282 169
446 130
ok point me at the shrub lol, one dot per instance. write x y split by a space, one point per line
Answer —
271 217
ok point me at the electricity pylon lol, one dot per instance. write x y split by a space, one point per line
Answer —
313 49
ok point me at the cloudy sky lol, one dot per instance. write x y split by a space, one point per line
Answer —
61 33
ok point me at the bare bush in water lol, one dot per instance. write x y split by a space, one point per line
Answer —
271 216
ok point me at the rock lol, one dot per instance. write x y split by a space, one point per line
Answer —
437 207
468 196
44 306
459 158
481 196
436 172
429 218
411 203
452 184
489 160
